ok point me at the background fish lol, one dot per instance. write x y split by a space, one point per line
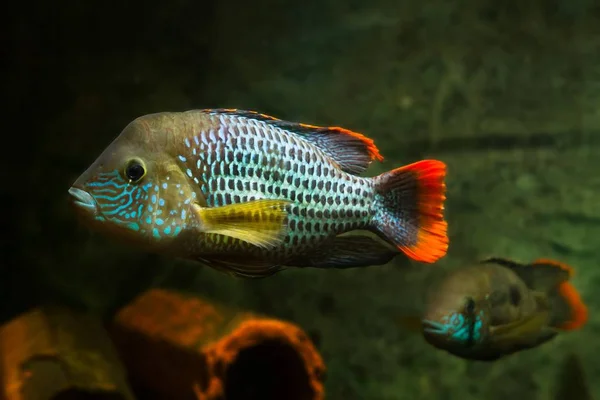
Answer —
500 307
250 194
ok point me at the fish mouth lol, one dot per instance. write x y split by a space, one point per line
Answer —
83 200
434 328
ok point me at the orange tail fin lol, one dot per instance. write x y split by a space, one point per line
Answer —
578 314
410 203
571 313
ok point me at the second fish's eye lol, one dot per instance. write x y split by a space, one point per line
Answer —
514 295
135 170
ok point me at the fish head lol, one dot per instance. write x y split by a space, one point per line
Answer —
457 316
135 189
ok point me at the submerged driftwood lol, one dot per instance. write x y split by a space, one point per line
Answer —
54 353
188 348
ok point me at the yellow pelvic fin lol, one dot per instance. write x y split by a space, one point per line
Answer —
262 223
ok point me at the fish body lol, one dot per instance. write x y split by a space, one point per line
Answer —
250 194
499 307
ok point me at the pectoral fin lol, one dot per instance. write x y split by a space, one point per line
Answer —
262 223
522 328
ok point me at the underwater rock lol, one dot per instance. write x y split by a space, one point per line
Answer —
185 347
54 353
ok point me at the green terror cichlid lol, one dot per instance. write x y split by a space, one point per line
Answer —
250 194
499 307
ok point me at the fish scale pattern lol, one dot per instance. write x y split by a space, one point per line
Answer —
244 159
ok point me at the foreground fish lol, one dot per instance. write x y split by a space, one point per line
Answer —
500 307
250 194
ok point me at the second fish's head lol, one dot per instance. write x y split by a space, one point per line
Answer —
457 315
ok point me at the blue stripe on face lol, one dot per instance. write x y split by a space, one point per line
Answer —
119 202
139 208
457 327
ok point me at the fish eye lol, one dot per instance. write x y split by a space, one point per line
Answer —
515 295
135 170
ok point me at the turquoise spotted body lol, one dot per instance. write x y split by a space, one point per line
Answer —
152 185
241 160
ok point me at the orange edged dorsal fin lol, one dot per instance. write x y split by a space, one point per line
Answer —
341 144
504 262
578 314
352 151
411 209
557 264
541 275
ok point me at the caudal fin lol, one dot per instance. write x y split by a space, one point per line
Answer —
569 312
576 312
410 204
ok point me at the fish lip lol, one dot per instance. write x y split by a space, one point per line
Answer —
433 327
83 200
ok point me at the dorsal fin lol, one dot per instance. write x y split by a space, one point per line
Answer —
353 151
541 275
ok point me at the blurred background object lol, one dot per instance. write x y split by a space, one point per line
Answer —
53 353
184 347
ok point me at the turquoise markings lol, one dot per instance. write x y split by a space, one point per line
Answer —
458 327
138 207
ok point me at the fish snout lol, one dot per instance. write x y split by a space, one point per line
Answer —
436 333
434 328
83 201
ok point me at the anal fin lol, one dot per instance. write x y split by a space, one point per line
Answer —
347 252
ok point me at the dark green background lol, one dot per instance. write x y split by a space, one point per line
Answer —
505 92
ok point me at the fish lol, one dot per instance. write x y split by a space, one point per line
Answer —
250 195
498 307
